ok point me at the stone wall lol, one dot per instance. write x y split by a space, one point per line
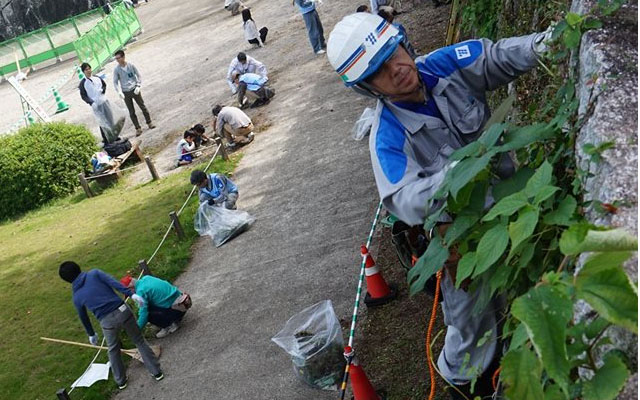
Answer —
607 86
22 16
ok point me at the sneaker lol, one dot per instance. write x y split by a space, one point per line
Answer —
151 125
230 146
159 376
174 327
138 131
164 332
250 136
321 51
123 385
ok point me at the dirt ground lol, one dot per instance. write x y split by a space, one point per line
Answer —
307 182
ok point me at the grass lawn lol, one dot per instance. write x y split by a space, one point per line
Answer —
112 232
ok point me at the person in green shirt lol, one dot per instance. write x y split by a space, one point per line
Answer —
164 305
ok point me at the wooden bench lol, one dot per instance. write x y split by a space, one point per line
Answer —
113 174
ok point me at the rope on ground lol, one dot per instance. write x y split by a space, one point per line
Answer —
354 318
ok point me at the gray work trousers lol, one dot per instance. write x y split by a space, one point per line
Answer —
464 329
129 97
315 31
112 324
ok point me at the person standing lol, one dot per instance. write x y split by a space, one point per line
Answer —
127 81
428 108
251 32
94 290
314 27
242 64
92 90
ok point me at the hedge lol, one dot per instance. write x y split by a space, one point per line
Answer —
40 163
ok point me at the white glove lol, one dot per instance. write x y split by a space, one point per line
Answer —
136 91
93 340
121 95
542 39
138 300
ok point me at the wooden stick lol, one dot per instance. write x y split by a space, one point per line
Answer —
133 353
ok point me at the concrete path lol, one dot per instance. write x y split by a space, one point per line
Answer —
311 189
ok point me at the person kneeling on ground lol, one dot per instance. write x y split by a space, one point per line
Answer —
254 87
185 146
164 305
243 63
201 138
233 122
234 6
216 189
251 33
94 290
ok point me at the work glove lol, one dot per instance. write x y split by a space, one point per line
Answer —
541 41
136 91
121 95
211 202
139 300
93 340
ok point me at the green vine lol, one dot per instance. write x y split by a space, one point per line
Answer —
526 246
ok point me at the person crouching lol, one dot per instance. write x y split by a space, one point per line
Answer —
216 189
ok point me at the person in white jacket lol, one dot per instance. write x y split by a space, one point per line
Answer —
244 64
233 6
251 32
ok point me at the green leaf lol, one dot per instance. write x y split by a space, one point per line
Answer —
491 135
558 29
523 227
457 205
519 337
507 206
521 372
576 240
491 246
431 261
524 136
596 326
573 19
545 311
608 380
571 37
541 178
527 254
512 185
563 214
592 23
605 286
460 225
465 267
544 193
553 392
472 149
500 113
466 170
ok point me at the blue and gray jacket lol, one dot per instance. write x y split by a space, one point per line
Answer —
410 144
254 81
305 6
218 188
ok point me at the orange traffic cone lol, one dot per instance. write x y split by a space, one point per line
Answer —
378 292
360 385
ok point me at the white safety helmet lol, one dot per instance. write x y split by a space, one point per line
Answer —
360 44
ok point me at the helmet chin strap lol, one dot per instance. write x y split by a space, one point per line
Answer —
368 90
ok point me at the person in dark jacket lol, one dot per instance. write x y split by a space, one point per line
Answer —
94 290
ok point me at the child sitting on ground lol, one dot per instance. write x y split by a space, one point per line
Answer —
201 138
185 146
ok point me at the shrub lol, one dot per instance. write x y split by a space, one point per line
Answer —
40 163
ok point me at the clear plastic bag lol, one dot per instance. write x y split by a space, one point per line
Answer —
110 117
313 339
220 223
362 127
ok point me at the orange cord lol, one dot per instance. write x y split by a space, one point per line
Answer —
494 378
434 311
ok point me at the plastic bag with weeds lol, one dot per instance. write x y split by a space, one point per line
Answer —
313 339
220 223
362 127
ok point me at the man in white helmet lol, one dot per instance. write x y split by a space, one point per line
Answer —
426 109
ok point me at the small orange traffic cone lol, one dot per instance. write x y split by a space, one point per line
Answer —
378 292
360 385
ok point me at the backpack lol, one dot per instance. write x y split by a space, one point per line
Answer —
120 146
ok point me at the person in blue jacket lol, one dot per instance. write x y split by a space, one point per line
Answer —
215 189
94 290
314 27
427 108
252 86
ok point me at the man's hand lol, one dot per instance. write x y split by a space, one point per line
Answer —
93 340
136 91
211 202
121 95
138 300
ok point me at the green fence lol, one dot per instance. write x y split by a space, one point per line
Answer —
48 43
112 33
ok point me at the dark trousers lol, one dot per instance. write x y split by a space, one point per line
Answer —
263 36
129 97
163 317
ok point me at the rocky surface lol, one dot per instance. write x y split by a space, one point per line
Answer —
607 87
22 16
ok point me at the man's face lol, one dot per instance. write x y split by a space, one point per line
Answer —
87 72
397 77
120 60
204 183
